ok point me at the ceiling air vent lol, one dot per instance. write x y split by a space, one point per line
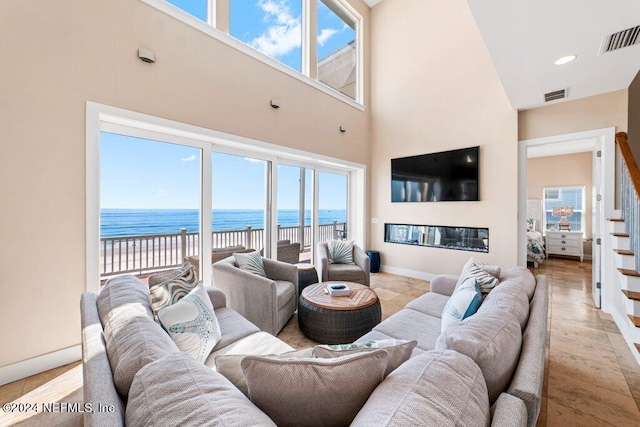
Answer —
556 94
621 39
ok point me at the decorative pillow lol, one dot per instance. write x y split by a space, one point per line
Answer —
530 224
178 284
251 262
228 365
322 392
192 323
485 275
399 351
464 302
340 251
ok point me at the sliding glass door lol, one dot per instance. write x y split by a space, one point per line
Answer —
333 190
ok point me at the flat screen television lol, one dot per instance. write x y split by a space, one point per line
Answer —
448 176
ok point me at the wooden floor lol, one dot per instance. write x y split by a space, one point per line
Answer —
591 378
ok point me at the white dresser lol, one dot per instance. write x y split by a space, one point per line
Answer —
565 243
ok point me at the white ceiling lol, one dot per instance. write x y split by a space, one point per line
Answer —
372 3
524 38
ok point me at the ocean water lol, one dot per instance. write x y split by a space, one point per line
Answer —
135 222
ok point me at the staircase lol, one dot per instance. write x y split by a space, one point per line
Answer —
625 238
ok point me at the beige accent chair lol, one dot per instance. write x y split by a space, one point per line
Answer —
358 272
267 302
288 252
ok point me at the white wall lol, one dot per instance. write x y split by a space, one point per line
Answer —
434 88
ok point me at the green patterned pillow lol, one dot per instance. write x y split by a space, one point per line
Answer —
251 262
340 251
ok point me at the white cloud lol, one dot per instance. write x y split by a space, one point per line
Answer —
284 35
250 160
191 158
326 34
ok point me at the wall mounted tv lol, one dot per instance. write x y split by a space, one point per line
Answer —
449 176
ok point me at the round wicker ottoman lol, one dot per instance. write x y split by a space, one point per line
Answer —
338 320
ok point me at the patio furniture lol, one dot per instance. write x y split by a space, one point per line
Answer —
338 320
218 254
267 302
357 272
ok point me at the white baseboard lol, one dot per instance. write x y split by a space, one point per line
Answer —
624 325
407 273
36 365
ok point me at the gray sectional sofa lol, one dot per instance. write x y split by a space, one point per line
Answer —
488 370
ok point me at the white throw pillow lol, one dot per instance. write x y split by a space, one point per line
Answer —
488 276
192 323
340 251
464 302
399 351
251 262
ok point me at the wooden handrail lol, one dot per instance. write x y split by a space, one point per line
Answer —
627 155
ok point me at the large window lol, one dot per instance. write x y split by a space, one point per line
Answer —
568 197
273 27
337 55
279 29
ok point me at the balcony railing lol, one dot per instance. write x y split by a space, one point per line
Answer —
138 254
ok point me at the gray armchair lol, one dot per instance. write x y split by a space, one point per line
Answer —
358 273
267 302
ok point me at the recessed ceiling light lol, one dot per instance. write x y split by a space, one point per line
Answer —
566 59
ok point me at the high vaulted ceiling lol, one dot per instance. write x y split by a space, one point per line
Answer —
526 37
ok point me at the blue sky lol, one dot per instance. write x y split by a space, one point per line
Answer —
274 27
141 174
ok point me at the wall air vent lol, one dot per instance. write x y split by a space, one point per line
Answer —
556 94
621 39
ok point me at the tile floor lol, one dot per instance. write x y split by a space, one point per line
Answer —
591 378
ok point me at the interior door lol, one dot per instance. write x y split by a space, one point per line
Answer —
597 223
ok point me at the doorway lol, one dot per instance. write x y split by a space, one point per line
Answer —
601 192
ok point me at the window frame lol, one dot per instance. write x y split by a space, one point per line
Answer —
218 28
581 211
100 117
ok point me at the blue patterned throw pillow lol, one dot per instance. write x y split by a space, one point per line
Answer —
251 262
464 302
192 323
340 251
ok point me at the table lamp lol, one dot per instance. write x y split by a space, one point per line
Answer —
564 212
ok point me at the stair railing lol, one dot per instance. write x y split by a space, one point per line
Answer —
630 197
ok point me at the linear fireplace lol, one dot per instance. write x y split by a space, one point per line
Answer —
437 236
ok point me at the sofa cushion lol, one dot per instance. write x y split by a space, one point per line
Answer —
464 302
322 392
487 278
192 323
522 278
133 340
250 262
121 291
181 282
227 360
431 303
192 395
508 297
398 351
284 292
493 341
404 326
233 327
345 273
340 251
437 388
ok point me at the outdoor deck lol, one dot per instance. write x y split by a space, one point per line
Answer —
145 254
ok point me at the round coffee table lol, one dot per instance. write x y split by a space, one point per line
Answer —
338 320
